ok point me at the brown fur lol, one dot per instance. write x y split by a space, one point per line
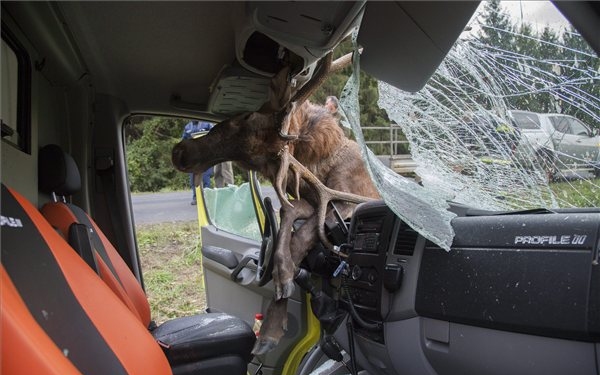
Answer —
253 142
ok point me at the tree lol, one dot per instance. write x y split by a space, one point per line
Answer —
547 54
496 26
371 114
524 43
580 65
149 141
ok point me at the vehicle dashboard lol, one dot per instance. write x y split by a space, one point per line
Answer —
525 280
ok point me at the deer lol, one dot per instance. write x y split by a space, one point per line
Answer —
301 149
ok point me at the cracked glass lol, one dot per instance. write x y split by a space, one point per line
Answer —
509 121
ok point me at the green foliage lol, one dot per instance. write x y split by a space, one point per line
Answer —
565 53
496 21
149 142
576 49
371 115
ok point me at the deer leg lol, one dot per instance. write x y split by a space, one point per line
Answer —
273 327
284 268
275 322
303 240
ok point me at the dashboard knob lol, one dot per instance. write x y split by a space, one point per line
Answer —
356 272
372 277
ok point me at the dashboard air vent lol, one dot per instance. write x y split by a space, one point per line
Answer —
406 241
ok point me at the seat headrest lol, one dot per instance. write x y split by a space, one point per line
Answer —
57 172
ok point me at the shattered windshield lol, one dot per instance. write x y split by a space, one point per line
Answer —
509 121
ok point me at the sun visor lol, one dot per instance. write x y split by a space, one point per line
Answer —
237 90
307 29
404 42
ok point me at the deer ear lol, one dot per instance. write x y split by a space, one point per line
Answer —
279 92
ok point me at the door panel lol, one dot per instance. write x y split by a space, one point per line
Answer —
587 146
573 142
226 253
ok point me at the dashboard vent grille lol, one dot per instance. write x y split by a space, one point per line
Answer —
406 241
370 225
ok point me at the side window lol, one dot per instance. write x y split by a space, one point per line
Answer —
16 92
231 209
166 223
561 124
526 121
578 128
226 194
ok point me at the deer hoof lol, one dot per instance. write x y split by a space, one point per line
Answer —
285 290
264 345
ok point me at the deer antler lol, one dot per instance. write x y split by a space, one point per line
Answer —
281 177
324 194
323 72
326 68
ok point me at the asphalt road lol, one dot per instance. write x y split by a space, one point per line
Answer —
163 207
151 208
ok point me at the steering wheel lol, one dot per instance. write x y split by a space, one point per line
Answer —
264 270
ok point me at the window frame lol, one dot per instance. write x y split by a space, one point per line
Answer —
561 124
574 123
23 125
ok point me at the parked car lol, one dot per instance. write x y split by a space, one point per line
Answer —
486 136
560 143
518 292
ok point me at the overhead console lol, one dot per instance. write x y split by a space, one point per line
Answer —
269 34
308 29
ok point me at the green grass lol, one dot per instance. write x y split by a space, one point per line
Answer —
172 269
577 193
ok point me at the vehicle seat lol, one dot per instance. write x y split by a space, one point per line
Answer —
58 317
211 341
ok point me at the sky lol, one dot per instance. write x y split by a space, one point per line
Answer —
537 13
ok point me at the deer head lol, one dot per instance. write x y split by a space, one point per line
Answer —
250 139
261 141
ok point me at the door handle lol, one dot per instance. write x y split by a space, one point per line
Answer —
222 256
241 265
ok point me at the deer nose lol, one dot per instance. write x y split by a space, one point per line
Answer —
178 157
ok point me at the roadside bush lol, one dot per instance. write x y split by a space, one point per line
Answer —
149 143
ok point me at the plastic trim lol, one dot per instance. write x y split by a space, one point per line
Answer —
303 346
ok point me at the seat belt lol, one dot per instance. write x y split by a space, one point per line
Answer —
105 171
79 239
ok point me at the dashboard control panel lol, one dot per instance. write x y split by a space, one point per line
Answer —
380 245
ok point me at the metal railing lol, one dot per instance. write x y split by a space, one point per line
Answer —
396 137
398 158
